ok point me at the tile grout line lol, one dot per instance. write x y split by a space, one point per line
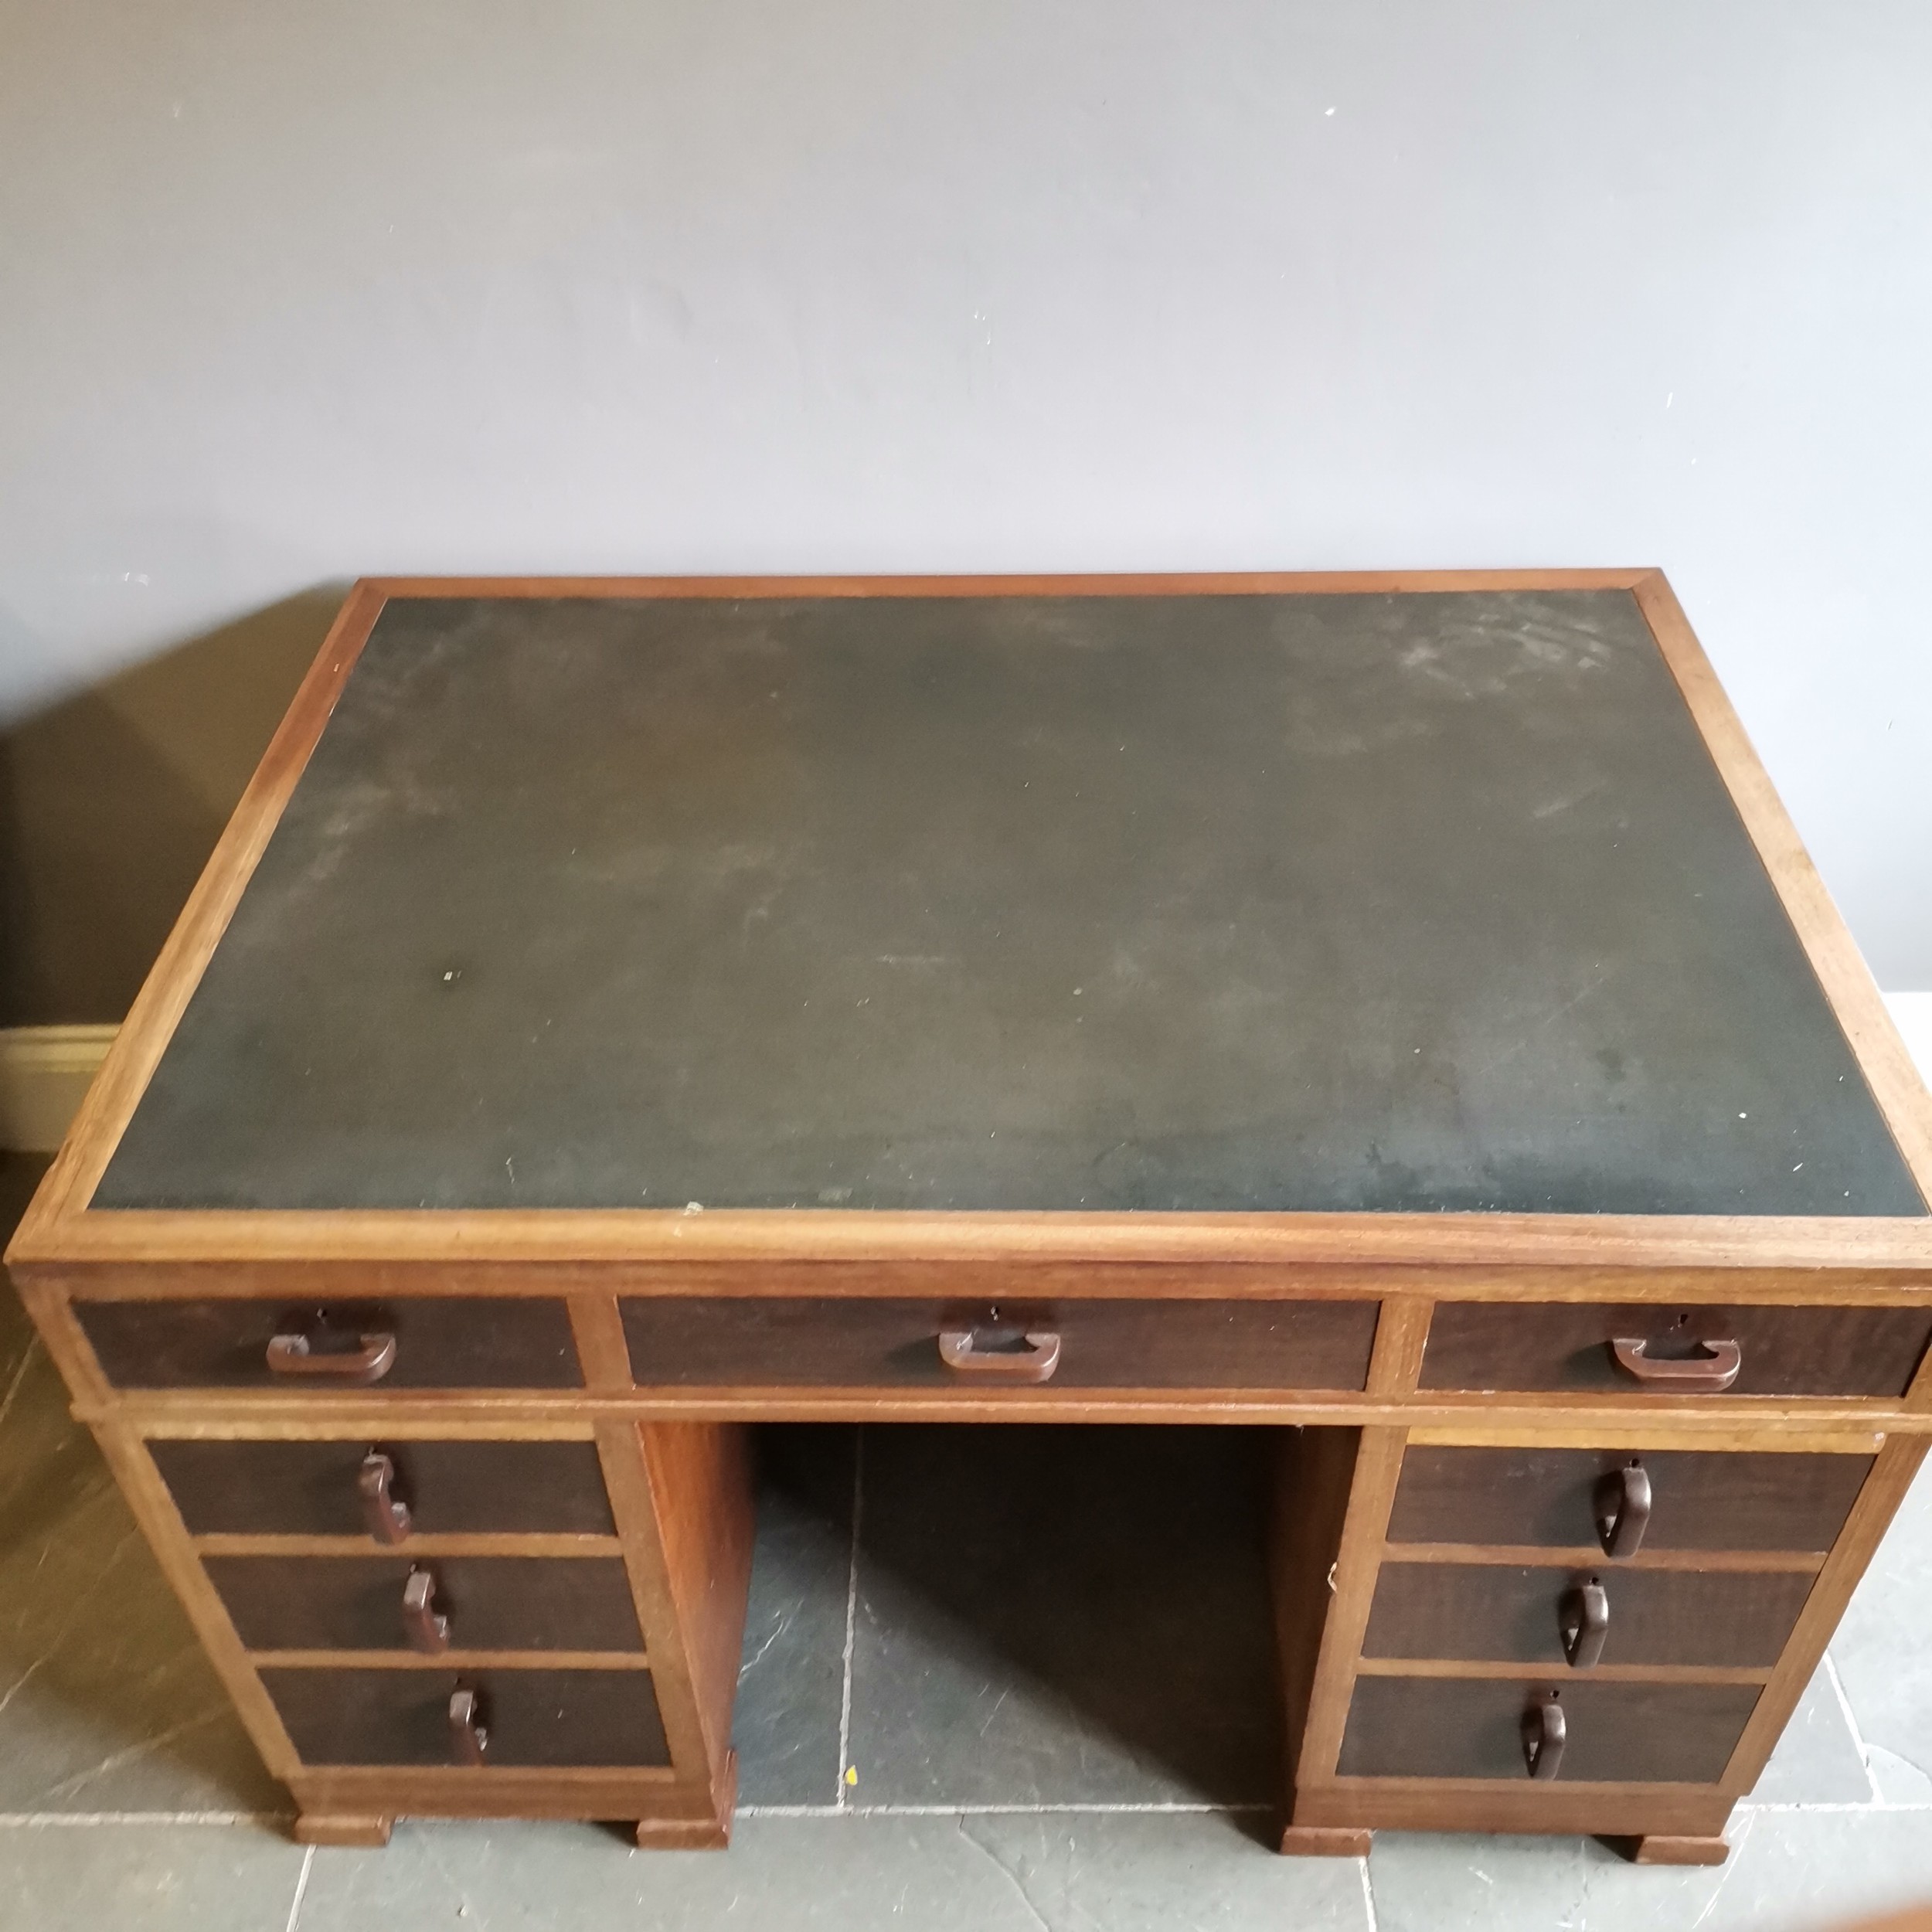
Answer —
1851 1725
301 1889
19 1376
1369 1896
1154 1808
1876 1807
1177 1808
851 1615
1733 1859
36 1821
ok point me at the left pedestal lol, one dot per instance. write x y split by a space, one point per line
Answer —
416 1623
421 1608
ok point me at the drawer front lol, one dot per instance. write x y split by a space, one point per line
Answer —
454 1343
1472 1727
677 1342
488 1603
555 1718
1566 1346
1701 1499
1504 1613
248 1489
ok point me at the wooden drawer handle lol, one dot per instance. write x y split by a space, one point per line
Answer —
425 1627
1035 1362
1708 1375
1543 1734
1583 1617
1623 1509
469 1735
385 1513
289 1354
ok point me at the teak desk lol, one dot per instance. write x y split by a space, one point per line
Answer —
1395 1009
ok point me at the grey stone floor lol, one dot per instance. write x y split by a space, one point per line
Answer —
1033 1693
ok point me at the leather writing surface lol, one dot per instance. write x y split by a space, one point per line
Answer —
1355 902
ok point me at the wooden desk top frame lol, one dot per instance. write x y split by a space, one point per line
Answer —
1473 1255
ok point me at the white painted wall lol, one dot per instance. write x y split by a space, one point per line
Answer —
289 293
1911 1014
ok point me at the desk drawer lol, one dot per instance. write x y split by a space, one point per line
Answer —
1700 1499
1516 1614
1573 1345
485 1602
678 1341
249 1489
557 1718
453 1342
1473 1727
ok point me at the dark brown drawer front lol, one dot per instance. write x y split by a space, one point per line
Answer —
451 1489
1566 1345
1471 1727
534 1717
1701 1499
490 1603
765 1341
458 1342
1487 1611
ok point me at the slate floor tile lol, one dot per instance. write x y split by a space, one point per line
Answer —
1883 1658
950 1874
854 1875
155 1878
1804 1871
1817 1760
1471 1883
106 1702
19 1175
1053 1616
791 1682
1155 1874
1788 1871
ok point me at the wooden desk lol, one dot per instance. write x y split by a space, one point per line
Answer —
1396 1009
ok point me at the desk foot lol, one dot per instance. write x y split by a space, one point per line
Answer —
1657 1848
683 1834
1326 1842
342 1828
709 1830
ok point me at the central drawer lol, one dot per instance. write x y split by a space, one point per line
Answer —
558 1718
483 1602
685 1341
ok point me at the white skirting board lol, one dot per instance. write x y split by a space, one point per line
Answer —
44 1071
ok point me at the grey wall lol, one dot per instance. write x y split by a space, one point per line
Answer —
291 293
